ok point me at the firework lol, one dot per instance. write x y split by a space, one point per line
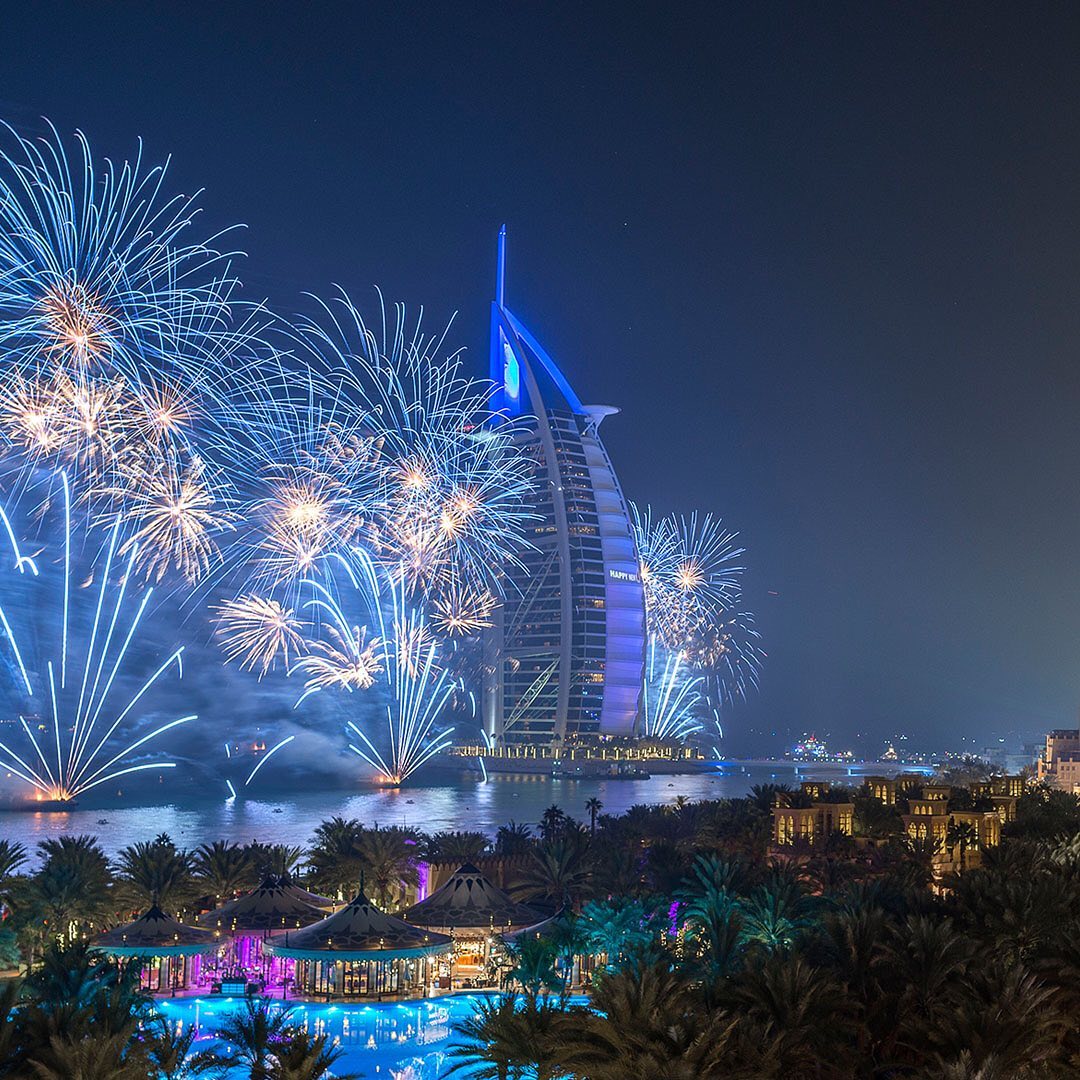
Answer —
98 268
257 631
691 576
419 692
83 722
458 611
453 485
729 653
349 660
669 697
172 515
406 655
689 571
302 469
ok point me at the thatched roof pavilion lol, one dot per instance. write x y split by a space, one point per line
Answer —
155 934
306 895
360 951
468 901
359 931
169 953
272 906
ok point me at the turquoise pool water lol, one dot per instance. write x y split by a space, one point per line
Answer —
399 1041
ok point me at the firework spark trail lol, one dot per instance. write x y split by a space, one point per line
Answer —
256 631
691 576
97 267
82 767
406 655
419 693
669 697
119 329
454 486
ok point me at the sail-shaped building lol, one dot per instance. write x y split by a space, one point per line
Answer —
565 658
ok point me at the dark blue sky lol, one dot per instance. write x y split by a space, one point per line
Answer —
825 258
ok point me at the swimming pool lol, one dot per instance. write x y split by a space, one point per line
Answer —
393 1041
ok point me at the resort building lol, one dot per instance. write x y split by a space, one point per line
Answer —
795 826
169 953
473 912
936 791
959 836
360 952
927 819
1013 786
1059 764
565 657
882 788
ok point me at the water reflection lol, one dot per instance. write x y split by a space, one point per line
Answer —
465 804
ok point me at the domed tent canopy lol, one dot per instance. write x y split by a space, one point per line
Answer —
272 906
359 931
534 930
170 952
300 893
360 951
155 934
468 901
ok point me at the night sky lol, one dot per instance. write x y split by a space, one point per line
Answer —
824 257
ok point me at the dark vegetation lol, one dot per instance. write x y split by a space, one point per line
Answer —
705 955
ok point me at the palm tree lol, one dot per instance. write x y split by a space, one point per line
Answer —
930 961
799 1016
552 822
513 838
168 1052
508 1038
306 1057
87 1057
566 940
388 861
714 932
11 1042
647 1023
615 930
277 860
593 806
616 869
72 887
253 1036
334 856
457 847
763 796
711 872
78 1015
557 873
775 916
665 867
223 868
74 976
1003 1021
155 872
964 835
12 856
531 965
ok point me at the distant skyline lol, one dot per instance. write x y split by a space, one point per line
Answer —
826 262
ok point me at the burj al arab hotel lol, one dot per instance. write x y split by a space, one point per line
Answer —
565 659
